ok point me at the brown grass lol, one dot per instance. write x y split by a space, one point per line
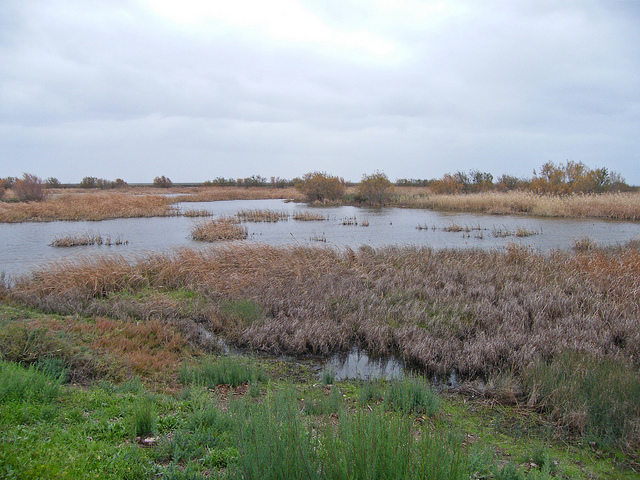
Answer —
623 206
211 194
270 216
309 216
87 206
100 348
217 230
472 311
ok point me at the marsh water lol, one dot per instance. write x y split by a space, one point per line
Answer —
26 246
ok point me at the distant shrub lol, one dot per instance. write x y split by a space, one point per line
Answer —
52 182
320 187
162 182
375 189
29 188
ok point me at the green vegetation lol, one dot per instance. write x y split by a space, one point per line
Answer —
375 189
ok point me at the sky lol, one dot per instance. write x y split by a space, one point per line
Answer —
196 90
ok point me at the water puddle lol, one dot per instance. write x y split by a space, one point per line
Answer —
358 365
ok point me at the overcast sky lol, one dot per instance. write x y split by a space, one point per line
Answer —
196 89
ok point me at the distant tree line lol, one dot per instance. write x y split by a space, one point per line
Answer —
571 177
101 183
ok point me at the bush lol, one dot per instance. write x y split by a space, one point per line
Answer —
320 187
375 189
52 182
162 182
29 188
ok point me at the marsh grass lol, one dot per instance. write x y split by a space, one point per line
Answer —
518 232
31 385
87 238
74 240
193 213
269 216
622 206
412 395
218 230
309 216
233 371
88 206
144 416
598 399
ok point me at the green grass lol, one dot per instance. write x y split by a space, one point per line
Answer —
274 419
233 371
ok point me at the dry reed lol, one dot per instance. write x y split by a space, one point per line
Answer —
622 206
309 216
270 216
192 213
211 194
216 230
87 206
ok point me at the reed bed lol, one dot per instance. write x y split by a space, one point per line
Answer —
217 230
75 240
309 216
86 239
212 194
91 206
258 216
621 206
193 213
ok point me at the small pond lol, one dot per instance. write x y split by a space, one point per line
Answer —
25 246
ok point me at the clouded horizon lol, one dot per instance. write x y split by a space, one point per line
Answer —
196 90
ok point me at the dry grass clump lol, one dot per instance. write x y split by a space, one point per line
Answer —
262 216
86 238
193 213
309 216
217 230
623 206
87 206
75 240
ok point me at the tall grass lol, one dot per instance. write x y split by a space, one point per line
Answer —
595 398
274 441
216 230
233 371
88 206
22 384
623 206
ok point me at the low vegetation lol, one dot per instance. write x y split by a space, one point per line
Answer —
217 230
517 323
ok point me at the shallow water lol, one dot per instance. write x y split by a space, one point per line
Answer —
25 246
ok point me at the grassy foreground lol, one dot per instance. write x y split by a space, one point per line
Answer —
133 400
110 367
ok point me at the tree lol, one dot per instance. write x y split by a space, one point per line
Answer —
29 188
320 187
375 189
162 182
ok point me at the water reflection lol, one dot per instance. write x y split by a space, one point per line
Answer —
357 365
25 246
